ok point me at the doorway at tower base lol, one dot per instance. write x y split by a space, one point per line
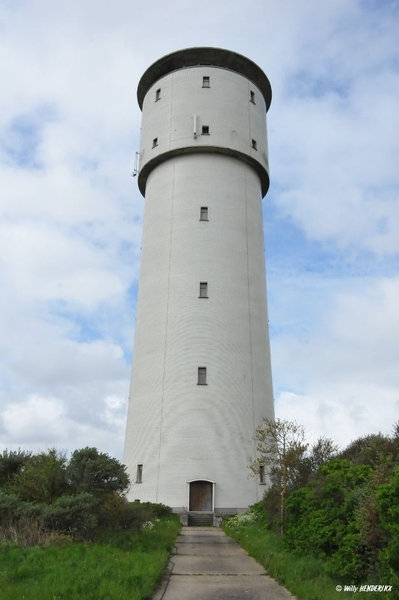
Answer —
201 495
201 509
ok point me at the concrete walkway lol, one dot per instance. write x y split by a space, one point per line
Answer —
208 565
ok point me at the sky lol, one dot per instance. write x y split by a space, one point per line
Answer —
71 214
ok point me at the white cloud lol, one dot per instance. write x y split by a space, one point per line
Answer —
342 377
342 413
42 422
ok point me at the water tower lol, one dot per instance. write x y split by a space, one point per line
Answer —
201 378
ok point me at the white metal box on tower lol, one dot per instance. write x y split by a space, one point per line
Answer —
201 378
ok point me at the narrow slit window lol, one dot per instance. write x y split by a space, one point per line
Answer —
203 289
262 474
206 82
155 142
254 145
201 375
205 130
252 97
158 95
139 474
204 213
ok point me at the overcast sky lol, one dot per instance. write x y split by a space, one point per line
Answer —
71 214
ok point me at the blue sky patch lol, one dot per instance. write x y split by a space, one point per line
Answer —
21 139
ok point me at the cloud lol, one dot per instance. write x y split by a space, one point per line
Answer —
42 422
341 413
341 379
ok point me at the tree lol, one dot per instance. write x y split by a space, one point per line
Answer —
370 450
387 499
321 452
42 479
323 520
12 463
96 473
281 448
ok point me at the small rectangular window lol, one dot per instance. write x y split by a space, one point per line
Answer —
155 142
254 145
139 474
206 82
205 130
252 94
203 289
262 474
158 95
204 213
201 375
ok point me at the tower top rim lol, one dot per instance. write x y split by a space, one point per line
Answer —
204 56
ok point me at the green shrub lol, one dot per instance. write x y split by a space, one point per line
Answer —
241 520
73 515
158 509
11 463
96 473
387 498
321 519
42 479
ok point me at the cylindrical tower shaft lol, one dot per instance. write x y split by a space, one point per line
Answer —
201 378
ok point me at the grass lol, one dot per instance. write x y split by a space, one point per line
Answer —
304 576
124 566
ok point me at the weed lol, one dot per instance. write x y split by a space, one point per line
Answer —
304 576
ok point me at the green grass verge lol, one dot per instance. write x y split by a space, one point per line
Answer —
304 576
124 566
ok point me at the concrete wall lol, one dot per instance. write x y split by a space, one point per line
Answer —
178 430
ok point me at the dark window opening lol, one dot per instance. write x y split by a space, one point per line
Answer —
254 145
201 375
205 130
262 474
155 142
139 474
158 95
203 289
204 213
206 82
252 94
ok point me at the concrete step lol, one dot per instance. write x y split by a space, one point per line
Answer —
200 519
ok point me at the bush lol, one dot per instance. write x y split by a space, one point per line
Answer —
321 519
158 509
387 499
96 473
42 479
73 515
11 463
241 519
13 509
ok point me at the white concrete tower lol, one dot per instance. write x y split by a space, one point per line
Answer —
201 378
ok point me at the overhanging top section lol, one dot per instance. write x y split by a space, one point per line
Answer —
217 57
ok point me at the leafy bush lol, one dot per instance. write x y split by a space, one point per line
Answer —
321 519
158 509
387 499
44 496
96 473
13 510
42 479
241 519
73 515
11 463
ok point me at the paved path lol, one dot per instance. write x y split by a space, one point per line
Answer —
208 565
